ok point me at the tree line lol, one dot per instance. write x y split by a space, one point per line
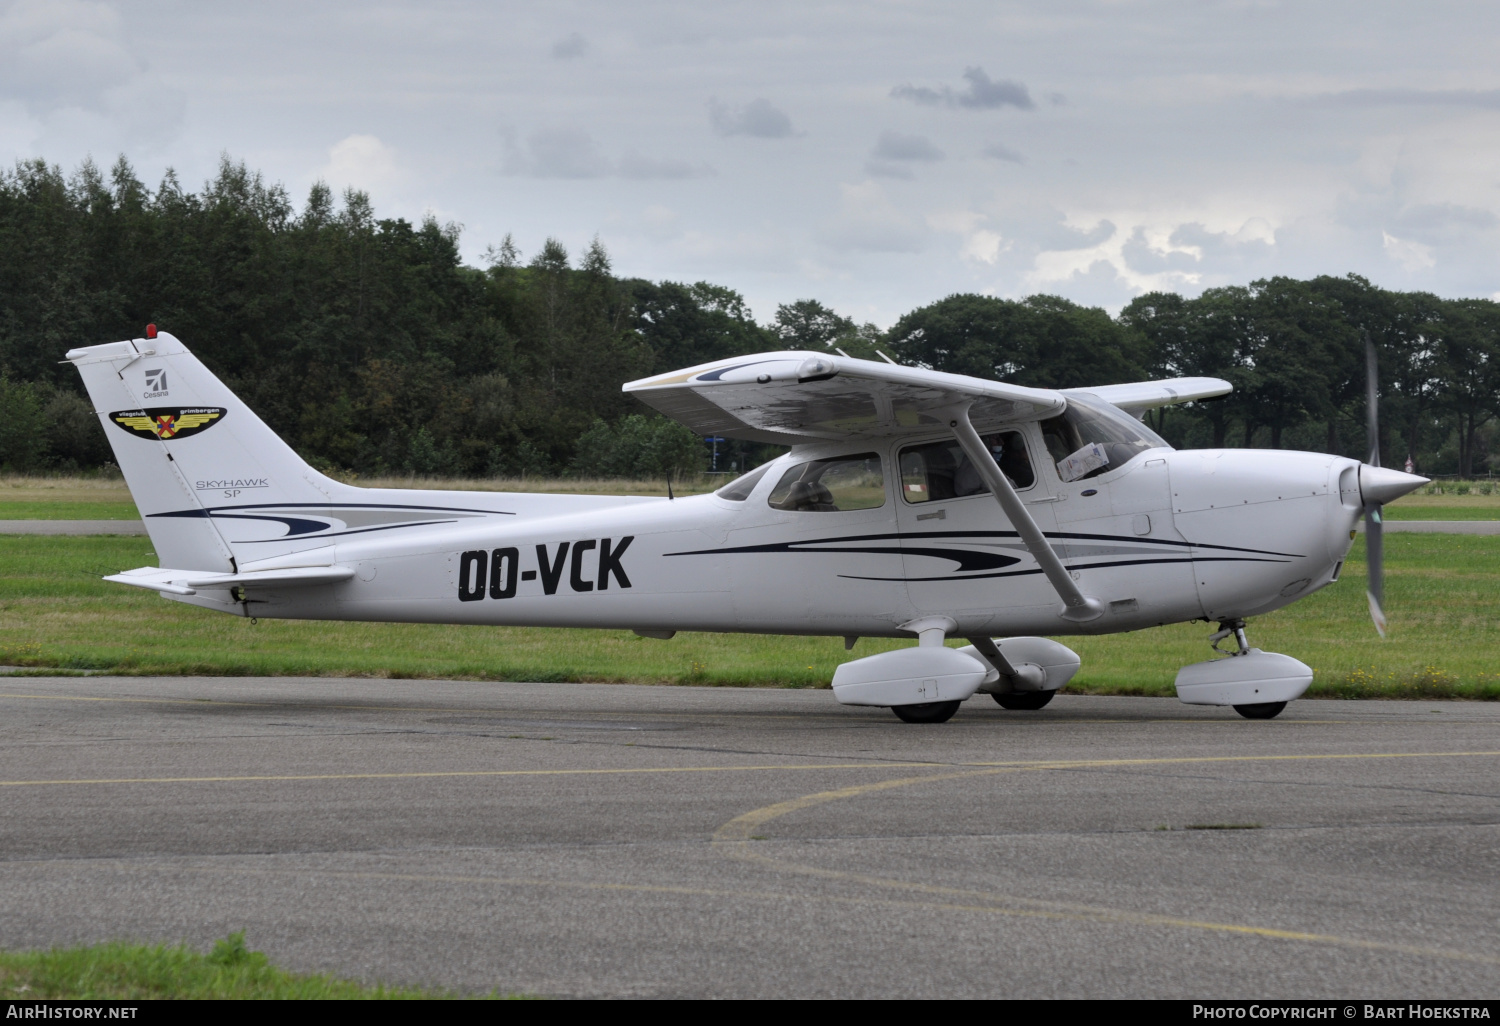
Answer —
372 348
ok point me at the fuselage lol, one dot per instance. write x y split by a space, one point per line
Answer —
1166 536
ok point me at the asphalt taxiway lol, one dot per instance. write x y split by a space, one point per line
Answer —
611 840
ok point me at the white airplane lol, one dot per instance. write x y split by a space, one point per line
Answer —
912 503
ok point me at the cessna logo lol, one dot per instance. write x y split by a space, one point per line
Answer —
587 565
156 383
163 422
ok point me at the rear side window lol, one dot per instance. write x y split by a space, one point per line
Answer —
941 470
740 488
832 485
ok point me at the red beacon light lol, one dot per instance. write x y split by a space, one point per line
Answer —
150 331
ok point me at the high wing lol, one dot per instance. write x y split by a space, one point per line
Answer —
1137 397
793 397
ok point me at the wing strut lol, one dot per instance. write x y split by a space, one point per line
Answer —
1077 606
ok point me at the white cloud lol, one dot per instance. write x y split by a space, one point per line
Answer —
63 53
71 83
362 162
983 246
1413 256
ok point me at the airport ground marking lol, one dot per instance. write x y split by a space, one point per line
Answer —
979 902
965 768
736 839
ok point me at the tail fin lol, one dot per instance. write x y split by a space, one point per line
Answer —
187 446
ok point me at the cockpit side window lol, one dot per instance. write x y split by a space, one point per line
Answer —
832 485
941 470
740 488
1092 437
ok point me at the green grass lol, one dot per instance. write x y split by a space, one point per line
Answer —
121 971
1474 512
1442 600
52 510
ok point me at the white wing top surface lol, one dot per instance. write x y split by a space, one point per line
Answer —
793 397
1139 396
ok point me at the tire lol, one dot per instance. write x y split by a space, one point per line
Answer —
1260 710
927 712
1024 699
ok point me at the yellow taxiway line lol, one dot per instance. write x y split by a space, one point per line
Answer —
970 768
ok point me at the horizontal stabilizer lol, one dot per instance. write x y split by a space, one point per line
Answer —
794 397
1137 397
187 582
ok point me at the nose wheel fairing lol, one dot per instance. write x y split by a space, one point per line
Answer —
1251 678
1258 684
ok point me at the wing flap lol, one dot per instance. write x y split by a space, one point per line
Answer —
792 397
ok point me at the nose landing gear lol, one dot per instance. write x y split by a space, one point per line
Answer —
1257 684
1249 710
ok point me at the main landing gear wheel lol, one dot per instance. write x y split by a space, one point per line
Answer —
1260 710
1025 699
927 712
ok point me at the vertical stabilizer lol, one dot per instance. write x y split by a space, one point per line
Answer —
187 445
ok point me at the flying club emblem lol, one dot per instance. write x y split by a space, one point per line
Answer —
164 422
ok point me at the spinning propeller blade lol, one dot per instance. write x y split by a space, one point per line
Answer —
1378 486
1374 539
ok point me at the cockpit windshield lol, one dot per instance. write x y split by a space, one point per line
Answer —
1092 437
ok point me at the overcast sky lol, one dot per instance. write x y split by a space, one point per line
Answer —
876 156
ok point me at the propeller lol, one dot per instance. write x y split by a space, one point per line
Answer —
1374 540
1377 486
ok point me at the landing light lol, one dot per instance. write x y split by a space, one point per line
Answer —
816 368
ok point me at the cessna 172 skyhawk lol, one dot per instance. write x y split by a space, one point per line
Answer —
912 502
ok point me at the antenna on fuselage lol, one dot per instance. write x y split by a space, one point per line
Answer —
670 496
